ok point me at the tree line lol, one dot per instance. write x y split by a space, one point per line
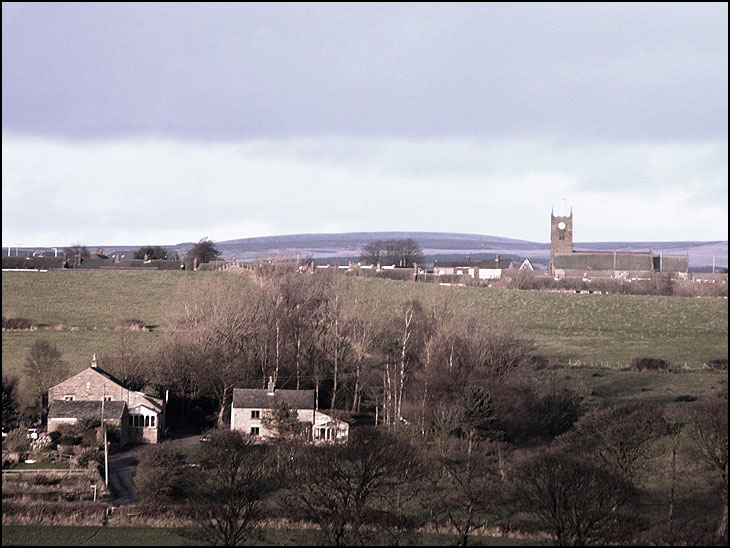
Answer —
630 474
396 252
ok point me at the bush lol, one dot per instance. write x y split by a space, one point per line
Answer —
650 364
10 323
90 458
133 324
718 364
38 263
17 441
559 411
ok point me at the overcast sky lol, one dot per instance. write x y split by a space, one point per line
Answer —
166 123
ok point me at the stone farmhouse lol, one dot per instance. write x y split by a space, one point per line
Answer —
250 406
489 269
93 392
565 262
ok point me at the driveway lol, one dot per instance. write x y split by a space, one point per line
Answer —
123 466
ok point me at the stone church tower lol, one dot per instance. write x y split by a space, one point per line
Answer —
561 236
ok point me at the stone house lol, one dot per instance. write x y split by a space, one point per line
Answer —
69 401
113 413
487 269
250 406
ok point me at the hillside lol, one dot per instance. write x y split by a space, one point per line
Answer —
437 245
81 310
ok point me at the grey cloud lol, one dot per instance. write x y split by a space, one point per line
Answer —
586 71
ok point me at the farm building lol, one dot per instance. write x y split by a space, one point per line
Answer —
488 269
80 397
251 406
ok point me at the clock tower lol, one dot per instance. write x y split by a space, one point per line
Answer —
561 236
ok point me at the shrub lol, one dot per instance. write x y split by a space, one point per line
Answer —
559 411
133 324
718 364
17 441
650 364
90 458
11 323
685 397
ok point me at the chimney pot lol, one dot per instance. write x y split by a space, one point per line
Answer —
271 385
93 361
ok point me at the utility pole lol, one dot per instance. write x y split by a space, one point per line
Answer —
106 449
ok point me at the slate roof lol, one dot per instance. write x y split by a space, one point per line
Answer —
60 409
597 260
504 264
154 402
262 399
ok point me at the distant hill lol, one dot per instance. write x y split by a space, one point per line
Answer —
435 245
447 246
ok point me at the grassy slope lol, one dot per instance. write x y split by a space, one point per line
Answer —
43 535
594 329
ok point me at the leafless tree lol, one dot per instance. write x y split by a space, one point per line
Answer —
709 434
236 476
44 367
466 494
619 438
351 489
573 499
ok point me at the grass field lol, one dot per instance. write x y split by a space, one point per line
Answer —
80 311
40 535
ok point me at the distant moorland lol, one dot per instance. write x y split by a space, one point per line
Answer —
435 245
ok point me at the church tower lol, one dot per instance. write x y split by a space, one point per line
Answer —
561 236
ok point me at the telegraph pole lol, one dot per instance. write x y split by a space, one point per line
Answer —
106 449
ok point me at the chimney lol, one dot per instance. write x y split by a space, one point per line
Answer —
496 259
93 361
271 386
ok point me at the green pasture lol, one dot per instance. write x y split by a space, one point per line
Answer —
80 310
46 535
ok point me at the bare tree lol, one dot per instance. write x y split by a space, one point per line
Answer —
127 363
222 322
44 367
620 438
236 476
351 489
467 495
160 477
573 499
709 435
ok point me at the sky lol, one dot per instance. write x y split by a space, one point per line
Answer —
154 124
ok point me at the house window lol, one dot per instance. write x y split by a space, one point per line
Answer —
256 414
107 398
69 397
254 430
142 421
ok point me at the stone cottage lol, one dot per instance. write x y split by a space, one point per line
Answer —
80 397
250 406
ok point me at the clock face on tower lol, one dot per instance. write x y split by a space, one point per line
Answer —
561 225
